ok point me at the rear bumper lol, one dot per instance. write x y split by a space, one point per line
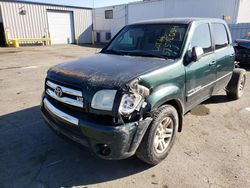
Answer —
120 141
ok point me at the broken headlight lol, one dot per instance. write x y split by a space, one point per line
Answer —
134 99
129 103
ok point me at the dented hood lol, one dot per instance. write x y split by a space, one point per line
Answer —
105 70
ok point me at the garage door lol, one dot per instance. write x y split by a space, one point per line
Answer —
61 27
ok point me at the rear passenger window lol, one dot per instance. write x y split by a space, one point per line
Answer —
220 36
202 38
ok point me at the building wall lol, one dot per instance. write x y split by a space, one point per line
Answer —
204 8
183 8
35 25
234 11
114 25
244 12
239 30
146 10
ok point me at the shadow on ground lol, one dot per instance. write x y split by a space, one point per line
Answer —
216 99
33 156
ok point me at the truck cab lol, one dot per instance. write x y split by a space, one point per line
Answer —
132 96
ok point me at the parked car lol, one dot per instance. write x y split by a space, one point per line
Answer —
242 49
131 97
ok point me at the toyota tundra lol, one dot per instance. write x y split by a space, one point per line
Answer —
131 97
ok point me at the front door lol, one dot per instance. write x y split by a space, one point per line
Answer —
201 74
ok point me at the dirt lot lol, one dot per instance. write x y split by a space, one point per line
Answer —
212 151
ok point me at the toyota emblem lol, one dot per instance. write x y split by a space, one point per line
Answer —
58 92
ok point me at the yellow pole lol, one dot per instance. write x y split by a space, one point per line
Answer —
77 38
93 37
16 43
7 38
49 38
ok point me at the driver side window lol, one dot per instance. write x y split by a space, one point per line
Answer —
202 38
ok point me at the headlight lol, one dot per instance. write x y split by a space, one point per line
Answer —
129 103
103 100
133 101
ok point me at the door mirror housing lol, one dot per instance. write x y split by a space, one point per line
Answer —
197 53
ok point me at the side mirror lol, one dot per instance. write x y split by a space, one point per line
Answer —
197 53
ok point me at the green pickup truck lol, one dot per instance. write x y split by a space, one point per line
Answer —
131 97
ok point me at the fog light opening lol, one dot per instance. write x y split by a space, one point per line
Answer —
104 150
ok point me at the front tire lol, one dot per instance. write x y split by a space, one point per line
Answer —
160 136
235 87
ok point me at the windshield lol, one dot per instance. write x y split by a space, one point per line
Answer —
151 40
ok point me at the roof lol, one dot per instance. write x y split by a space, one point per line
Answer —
48 4
186 20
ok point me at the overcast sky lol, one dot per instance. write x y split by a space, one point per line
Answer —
85 3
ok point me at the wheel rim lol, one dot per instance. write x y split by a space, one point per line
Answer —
163 135
242 84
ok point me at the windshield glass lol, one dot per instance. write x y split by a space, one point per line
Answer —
151 40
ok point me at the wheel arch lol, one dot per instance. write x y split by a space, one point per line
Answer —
177 104
179 107
172 95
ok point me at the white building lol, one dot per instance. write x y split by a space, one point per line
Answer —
31 20
109 20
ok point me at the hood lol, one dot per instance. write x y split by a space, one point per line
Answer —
243 43
105 70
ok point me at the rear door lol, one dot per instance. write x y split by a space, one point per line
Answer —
224 54
201 74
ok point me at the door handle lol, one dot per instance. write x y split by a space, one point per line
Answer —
232 55
212 63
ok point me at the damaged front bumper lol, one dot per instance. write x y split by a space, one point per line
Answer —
105 141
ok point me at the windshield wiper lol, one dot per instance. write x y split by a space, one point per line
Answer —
146 54
135 53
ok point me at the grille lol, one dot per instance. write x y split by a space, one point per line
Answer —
71 101
67 96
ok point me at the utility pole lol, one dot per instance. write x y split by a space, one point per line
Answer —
93 22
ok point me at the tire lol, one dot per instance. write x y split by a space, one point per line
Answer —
151 149
235 87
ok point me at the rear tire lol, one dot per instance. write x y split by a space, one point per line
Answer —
235 87
159 138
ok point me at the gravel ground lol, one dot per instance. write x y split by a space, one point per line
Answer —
212 151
